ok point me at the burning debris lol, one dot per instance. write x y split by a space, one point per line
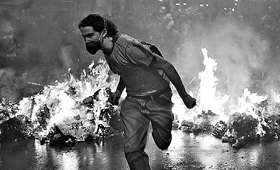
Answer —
220 129
241 128
16 128
7 110
67 112
78 110
238 121
201 123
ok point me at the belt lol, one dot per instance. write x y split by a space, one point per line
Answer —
153 95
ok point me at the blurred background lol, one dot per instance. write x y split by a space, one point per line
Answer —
40 42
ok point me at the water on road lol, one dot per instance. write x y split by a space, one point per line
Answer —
186 152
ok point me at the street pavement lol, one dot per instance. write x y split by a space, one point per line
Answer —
186 152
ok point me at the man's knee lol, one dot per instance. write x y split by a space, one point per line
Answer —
164 146
162 142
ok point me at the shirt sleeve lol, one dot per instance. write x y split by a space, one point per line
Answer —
139 53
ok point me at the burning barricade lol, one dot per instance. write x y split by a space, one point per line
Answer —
7 110
238 120
201 123
74 110
239 129
242 128
78 110
11 126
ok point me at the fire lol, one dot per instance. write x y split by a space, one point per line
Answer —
237 120
75 106
209 99
64 102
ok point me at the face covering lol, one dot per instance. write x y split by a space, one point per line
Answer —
93 46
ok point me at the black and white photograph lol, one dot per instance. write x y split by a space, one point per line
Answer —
139 84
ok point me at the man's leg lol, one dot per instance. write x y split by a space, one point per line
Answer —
136 126
161 119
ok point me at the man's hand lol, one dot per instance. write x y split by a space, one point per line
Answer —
114 97
189 101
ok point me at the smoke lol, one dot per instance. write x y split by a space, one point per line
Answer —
8 89
244 56
45 48
39 50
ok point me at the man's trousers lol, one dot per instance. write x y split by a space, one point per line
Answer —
136 114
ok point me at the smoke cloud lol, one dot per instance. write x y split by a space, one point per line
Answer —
37 50
244 56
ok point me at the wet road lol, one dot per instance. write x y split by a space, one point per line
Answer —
187 152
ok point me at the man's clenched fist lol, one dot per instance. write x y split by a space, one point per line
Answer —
189 101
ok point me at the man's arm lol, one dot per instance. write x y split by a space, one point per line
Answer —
141 53
114 97
160 63
121 86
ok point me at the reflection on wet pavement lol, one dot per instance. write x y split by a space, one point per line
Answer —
187 151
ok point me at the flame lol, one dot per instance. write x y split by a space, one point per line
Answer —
210 99
64 101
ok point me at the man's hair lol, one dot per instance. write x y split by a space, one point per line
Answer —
98 23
